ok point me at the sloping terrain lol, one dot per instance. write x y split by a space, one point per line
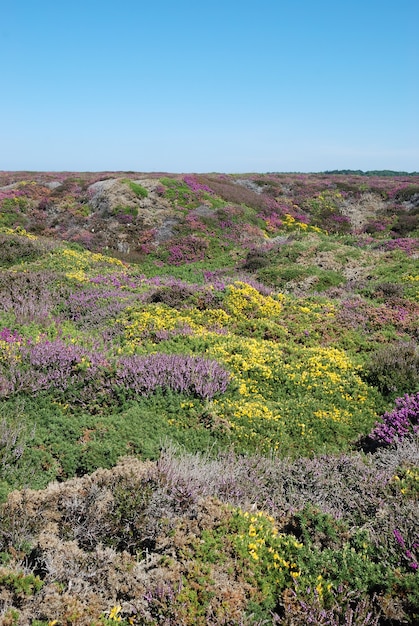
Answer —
209 399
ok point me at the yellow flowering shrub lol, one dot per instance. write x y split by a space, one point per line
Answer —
17 231
154 318
326 370
246 358
273 555
9 352
291 223
282 394
244 300
79 265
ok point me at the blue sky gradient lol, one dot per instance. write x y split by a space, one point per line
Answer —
223 86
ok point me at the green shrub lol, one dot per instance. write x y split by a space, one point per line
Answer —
389 290
19 583
394 369
125 210
15 249
175 296
139 190
405 224
256 260
278 276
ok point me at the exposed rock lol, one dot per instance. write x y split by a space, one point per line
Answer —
166 230
360 211
53 184
107 196
203 211
249 184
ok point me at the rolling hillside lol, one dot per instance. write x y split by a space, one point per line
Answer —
209 398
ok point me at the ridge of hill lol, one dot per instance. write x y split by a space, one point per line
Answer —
125 213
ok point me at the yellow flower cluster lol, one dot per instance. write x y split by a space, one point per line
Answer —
246 357
79 275
158 317
320 587
408 483
114 613
9 352
413 278
17 231
244 300
76 263
264 543
87 258
325 368
333 415
311 310
252 410
290 222
251 362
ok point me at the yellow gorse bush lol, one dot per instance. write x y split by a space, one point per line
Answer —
242 299
17 231
80 265
291 223
327 370
158 317
9 352
275 553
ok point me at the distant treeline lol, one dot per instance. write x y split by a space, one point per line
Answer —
371 173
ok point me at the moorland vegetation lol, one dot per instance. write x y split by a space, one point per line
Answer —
209 399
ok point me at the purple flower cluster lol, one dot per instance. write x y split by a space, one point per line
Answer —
406 244
9 336
58 365
187 250
94 306
408 553
186 374
116 280
195 186
9 194
50 365
397 424
214 279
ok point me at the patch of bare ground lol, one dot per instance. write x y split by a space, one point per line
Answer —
120 216
361 210
107 195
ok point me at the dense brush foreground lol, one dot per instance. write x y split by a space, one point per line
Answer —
209 399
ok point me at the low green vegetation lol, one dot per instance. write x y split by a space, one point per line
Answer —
139 190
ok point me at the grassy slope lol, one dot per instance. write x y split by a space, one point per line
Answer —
316 325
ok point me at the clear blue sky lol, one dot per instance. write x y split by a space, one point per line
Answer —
227 86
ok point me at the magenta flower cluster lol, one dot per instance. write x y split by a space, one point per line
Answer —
187 250
399 423
195 186
410 245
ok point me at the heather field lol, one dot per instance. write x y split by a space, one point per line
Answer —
209 399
